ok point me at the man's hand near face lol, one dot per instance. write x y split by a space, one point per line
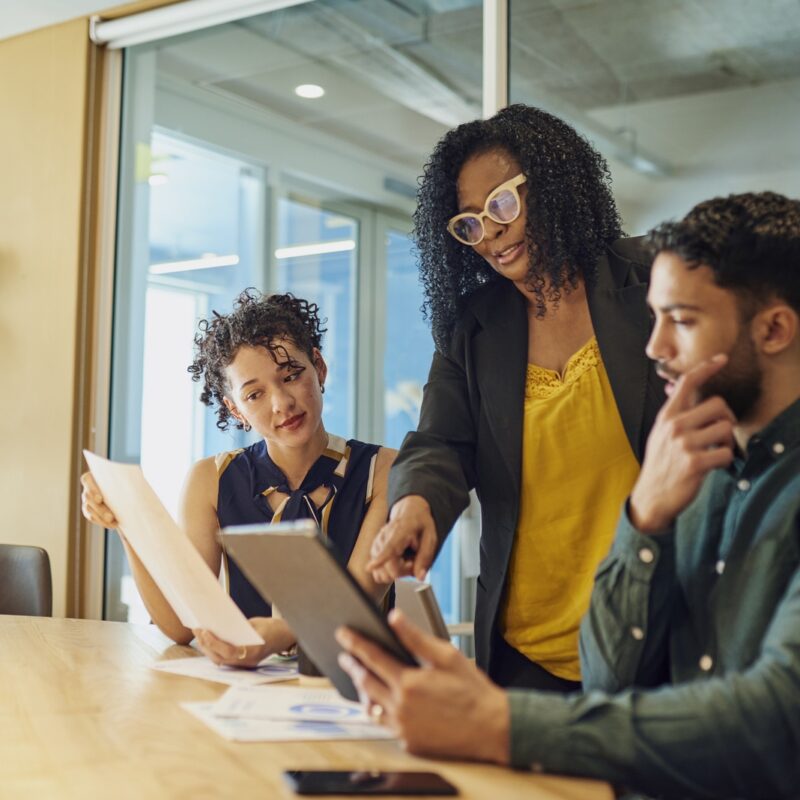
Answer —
447 707
689 440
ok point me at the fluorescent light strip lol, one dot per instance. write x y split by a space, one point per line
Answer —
178 18
319 249
206 262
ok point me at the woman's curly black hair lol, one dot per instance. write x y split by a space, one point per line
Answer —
571 213
257 320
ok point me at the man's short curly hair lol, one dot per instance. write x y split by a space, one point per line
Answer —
751 242
257 320
571 213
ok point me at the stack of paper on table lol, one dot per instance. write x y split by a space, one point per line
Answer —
184 579
274 713
271 670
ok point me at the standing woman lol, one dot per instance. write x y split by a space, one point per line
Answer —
540 395
261 367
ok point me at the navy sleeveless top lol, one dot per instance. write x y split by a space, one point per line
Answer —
247 477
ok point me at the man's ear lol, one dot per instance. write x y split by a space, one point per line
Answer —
776 328
319 365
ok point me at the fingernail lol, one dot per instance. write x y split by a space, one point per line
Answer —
345 661
719 357
342 636
395 615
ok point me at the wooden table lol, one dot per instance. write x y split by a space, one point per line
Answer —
83 716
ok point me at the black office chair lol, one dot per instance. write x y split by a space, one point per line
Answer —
26 584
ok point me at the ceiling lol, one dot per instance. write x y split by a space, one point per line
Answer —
656 85
589 53
399 72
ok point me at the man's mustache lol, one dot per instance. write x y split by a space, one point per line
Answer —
666 373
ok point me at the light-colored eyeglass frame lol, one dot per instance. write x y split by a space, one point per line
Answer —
510 186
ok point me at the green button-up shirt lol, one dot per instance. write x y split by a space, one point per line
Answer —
691 648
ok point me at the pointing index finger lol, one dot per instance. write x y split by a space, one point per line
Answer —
685 394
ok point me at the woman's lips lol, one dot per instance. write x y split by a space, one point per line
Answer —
505 257
293 423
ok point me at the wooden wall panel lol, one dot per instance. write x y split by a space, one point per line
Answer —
43 89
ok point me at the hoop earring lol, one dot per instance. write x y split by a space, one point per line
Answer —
322 388
246 426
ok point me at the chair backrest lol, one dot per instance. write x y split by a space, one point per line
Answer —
26 585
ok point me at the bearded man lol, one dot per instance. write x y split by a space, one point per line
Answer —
690 652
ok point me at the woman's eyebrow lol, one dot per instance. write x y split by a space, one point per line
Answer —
247 383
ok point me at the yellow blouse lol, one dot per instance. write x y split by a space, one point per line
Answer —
577 470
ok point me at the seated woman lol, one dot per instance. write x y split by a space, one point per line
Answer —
262 368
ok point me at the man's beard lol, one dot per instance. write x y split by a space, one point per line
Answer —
738 383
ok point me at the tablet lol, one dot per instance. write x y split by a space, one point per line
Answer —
296 569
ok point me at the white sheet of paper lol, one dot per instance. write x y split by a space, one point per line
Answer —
205 669
296 704
240 729
185 580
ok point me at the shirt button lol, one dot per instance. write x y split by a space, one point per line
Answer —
646 555
706 662
719 567
743 485
778 448
637 633
537 767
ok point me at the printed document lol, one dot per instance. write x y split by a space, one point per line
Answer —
185 580
245 729
293 704
268 671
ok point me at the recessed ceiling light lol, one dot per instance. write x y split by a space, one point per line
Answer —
309 91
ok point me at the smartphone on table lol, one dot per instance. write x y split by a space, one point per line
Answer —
367 782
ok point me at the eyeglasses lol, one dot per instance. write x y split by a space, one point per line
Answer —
502 205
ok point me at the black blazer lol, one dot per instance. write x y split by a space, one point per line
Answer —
470 428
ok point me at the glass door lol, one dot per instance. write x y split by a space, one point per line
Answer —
406 358
279 151
192 241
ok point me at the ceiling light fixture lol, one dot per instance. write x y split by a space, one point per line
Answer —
319 249
206 261
309 91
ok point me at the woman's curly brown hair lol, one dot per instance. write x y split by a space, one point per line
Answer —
257 320
571 213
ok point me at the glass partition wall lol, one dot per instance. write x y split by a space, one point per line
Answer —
280 152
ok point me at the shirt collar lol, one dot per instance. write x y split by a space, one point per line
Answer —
780 435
